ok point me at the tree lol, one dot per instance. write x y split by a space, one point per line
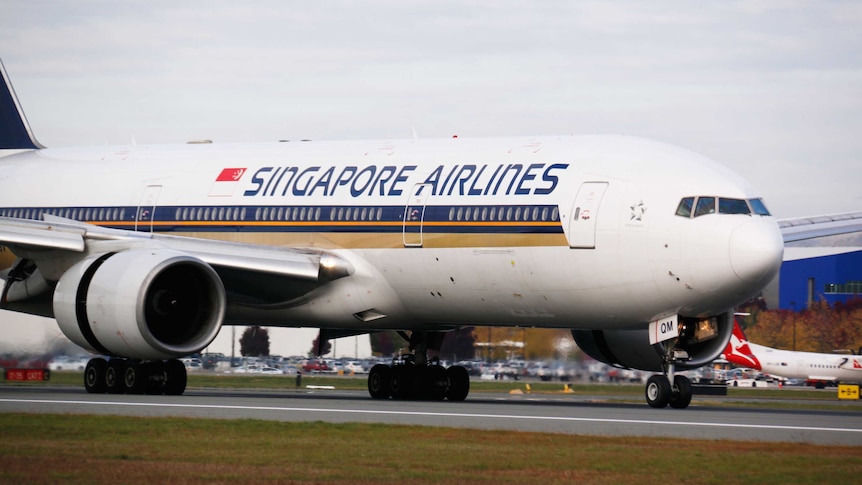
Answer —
819 328
459 344
254 342
317 349
384 344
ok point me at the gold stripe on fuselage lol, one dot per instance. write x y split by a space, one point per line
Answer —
370 240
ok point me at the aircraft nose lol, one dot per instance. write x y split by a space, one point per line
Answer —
756 250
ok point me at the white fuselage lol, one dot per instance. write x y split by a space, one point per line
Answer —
808 365
567 232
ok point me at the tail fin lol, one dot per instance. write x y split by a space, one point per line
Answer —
738 352
15 133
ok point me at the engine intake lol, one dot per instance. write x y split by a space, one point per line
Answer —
142 304
702 339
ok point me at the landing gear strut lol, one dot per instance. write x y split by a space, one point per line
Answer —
669 388
414 376
126 376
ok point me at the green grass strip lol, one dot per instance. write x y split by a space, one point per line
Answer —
44 448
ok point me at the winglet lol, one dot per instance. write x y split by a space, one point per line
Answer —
15 133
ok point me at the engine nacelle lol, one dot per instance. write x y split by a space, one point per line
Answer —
703 339
140 303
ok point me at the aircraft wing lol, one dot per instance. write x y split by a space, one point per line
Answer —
252 274
802 228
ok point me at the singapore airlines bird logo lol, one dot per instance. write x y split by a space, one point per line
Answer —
226 182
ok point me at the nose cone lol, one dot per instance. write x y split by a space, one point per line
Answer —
756 250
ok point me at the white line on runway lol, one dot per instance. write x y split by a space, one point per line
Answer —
436 414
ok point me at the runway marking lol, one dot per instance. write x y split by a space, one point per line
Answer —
435 414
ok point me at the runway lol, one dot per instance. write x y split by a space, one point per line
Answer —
538 413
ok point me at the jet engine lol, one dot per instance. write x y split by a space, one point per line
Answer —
700 341
148 304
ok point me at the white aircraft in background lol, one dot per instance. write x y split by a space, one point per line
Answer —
142 253
790 364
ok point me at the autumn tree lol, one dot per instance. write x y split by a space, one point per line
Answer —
319 348
384 344
459 344
819 328
254 342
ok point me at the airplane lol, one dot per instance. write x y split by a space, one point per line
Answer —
142 253
789 364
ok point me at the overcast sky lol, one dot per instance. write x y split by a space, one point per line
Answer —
772 89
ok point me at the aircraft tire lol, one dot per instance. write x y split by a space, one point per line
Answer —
682 397
658 391
114 376
379 378
400 381
459 383
94 376
155 377
134 378
175 378
435 384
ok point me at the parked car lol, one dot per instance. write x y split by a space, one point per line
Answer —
354 366
315 366
68 363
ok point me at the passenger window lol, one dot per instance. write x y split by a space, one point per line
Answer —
733 206
684 207
705 205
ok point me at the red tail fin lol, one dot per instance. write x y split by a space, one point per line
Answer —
738 351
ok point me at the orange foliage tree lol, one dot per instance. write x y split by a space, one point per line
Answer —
820 328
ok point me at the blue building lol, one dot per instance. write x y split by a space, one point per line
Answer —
815 273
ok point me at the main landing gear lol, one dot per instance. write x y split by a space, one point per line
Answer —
669 388
414 376
126 376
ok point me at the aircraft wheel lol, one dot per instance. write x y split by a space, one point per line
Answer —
459 383
175 378
114 376
681 397
379 378
134 378
94 376
400 382
436 382
658 391
155 377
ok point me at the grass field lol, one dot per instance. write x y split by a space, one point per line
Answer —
36 449
106 449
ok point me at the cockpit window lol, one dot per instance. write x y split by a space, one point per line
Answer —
733 206
684 208
705 205
758 207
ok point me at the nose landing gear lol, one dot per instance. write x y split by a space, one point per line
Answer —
669 388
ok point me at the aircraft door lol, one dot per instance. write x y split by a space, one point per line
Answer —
147 208
414 215
585 211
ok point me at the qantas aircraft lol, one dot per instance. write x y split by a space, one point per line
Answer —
142 253
791 364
